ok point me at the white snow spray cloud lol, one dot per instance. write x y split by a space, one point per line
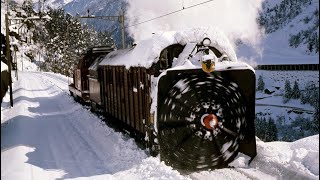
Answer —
236 18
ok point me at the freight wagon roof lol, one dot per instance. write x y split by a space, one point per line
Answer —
147 52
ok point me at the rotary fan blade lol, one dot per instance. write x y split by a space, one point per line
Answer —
200 120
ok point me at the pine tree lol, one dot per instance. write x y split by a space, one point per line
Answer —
66 38
295 40
280 15
287 92
287 89
261 128
295 91
310 95
272 130
105 39
315 120
260 84
303 99
27 6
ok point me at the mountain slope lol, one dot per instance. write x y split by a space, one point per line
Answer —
292 29
99 8
290 34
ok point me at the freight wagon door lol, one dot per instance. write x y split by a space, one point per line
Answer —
126 94
78 79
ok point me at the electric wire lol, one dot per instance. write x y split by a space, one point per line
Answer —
173 12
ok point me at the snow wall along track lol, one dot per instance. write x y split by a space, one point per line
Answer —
204 120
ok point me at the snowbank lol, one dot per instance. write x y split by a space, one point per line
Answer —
4 66
46 139
299 159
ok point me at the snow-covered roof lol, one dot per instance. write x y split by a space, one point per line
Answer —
147 52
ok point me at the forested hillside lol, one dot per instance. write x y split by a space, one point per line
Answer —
297 20
291 31
53 38
303 16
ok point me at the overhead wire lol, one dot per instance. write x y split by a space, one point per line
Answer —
164 15
173 12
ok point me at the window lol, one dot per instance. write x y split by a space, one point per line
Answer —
166 57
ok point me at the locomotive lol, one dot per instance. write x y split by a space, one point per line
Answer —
184 93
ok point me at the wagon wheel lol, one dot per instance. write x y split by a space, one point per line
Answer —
200 122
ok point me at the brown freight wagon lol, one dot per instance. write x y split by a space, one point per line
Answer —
79 89
125 93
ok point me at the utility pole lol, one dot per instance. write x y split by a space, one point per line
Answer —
121 18
123 34
8 50
8 57
16 61
111 18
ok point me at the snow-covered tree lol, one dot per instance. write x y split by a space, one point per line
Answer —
66 39
27 6
315 120
261 84
104 39
260 127
266 130
280 14
310 95
287 92
272 131
295 91
283 12
59 40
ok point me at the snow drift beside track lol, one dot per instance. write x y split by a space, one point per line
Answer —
46 135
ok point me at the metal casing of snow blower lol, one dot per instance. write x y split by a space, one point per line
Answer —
185 97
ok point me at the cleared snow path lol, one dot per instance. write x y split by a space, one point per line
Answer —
50 131
46 135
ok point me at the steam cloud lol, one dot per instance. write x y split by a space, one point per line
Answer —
236 18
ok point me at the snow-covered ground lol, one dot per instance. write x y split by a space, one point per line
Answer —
272 104
47 135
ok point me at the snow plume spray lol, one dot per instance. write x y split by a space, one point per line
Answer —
237 19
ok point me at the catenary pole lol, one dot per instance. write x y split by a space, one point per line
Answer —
8 57
122 30
112 18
